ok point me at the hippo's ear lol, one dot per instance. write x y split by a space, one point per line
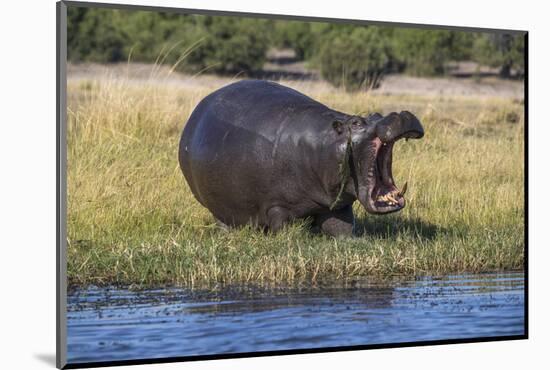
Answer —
338 126
374 117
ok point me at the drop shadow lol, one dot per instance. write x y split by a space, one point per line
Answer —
466 75
46 358
283 60
284 67
391 226
268 74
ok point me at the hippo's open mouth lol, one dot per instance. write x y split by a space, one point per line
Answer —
383 194
378 192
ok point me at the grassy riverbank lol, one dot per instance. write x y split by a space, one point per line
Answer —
133 220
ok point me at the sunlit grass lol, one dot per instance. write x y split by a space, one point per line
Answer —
133 220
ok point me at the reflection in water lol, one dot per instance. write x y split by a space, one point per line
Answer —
106 324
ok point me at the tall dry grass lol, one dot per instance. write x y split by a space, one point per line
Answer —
133 220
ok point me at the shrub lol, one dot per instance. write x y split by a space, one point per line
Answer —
296 35
193 42
504 51
232 45
92 35
355 58
426 52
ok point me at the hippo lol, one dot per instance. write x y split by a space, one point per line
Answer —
260 153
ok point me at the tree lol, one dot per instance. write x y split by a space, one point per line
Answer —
355 57
93 35
426 52
504 51
233 45
296 35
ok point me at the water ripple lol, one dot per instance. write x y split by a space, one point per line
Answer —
106 324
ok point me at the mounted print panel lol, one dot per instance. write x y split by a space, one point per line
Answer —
241 184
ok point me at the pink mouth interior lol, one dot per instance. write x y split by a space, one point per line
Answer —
383 192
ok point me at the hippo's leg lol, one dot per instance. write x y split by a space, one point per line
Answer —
276 218
337 223
221 225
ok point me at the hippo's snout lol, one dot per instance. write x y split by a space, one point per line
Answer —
395 126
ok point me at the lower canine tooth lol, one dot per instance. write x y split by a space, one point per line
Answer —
403 190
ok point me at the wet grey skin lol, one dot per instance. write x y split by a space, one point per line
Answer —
256 152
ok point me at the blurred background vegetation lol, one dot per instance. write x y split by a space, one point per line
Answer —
352 56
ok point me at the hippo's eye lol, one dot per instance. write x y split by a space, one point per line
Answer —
356 123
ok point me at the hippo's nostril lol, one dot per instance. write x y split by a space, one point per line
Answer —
396 126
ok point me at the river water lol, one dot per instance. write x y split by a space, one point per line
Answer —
110 324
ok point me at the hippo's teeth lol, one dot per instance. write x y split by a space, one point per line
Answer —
387 198
391 198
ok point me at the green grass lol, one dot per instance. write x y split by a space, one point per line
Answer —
133 220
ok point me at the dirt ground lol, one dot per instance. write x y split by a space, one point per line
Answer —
286 70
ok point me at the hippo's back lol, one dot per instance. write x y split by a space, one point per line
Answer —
255 105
